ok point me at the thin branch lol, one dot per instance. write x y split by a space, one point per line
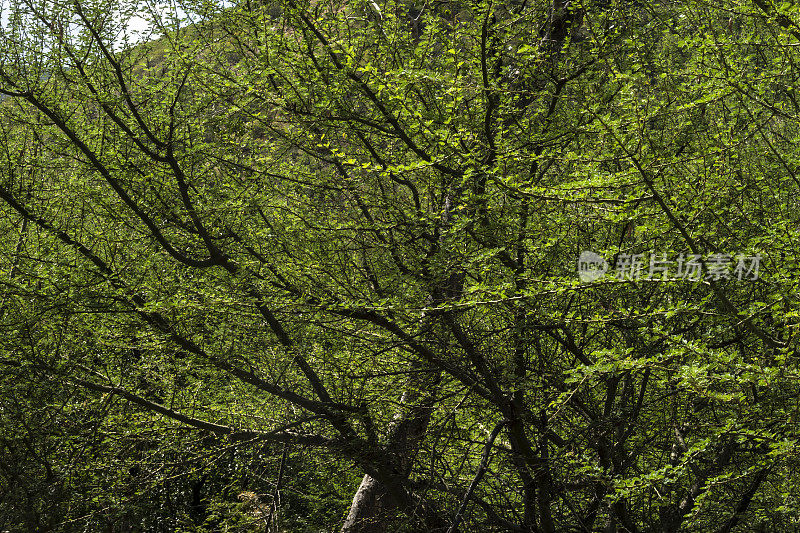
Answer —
484 464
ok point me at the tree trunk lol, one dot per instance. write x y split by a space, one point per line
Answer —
373 506
370 505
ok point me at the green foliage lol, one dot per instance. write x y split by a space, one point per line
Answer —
280 246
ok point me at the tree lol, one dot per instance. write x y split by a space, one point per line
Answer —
354 228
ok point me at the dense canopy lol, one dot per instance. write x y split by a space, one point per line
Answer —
314 266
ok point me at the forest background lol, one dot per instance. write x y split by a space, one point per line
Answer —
312 266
